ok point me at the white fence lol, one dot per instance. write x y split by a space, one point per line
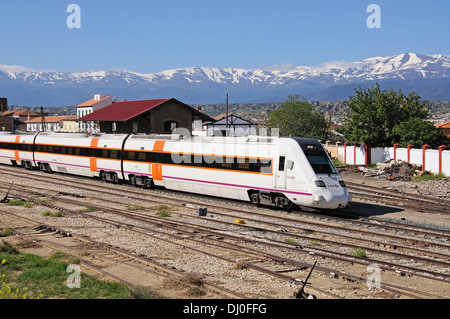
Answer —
432 160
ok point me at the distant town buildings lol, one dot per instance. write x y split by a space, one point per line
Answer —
51 124
445 127
236 125
98 102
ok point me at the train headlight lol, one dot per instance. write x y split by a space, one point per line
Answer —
342 183
320 183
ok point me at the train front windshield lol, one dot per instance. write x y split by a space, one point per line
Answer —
320 163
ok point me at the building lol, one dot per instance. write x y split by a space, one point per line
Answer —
51 123
445 127
160 116
3 104
69 124
237 126
6 123
20 118
98 102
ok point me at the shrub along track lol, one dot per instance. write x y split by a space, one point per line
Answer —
257 235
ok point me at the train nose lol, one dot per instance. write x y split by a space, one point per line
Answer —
332 199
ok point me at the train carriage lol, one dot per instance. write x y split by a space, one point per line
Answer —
63 153
267 170
8 155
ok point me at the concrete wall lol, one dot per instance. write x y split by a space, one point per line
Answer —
435 161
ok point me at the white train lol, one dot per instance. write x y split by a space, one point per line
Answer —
262 170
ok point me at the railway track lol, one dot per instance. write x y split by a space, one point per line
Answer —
401 200
216 231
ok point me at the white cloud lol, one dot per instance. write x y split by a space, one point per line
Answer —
14 69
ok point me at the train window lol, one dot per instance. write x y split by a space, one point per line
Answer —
290 165
77 151
114 154
131 155
243 164
281 164
63 150
142 156
320 163
105 154
70 150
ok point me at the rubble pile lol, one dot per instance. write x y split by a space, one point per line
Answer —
394 170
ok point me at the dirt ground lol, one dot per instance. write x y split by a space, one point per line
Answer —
272 288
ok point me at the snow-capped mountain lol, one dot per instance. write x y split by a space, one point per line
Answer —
429 75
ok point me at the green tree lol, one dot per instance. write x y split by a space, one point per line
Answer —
298 118
418 132
374 113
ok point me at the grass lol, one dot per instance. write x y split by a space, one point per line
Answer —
359 253
133 207
337 162
5 232
290 241
20 202
31 276
161 207
430 177
49 213
163 213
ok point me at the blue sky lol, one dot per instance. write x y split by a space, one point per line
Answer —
149 36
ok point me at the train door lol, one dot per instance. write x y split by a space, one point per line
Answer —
281 173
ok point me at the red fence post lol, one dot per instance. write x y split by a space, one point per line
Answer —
395 150
368 154
409 150
441 148
424 148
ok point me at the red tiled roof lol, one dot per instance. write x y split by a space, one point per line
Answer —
123 111
50 119
92 101
443 125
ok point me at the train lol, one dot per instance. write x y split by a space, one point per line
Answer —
263 170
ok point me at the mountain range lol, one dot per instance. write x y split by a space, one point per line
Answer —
429 75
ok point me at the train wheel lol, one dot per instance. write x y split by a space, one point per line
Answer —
255 198
116 179
148 183
283 202
133 180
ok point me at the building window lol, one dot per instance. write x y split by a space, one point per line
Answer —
169 126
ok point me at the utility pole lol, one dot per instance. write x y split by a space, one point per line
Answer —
43 120
226 119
